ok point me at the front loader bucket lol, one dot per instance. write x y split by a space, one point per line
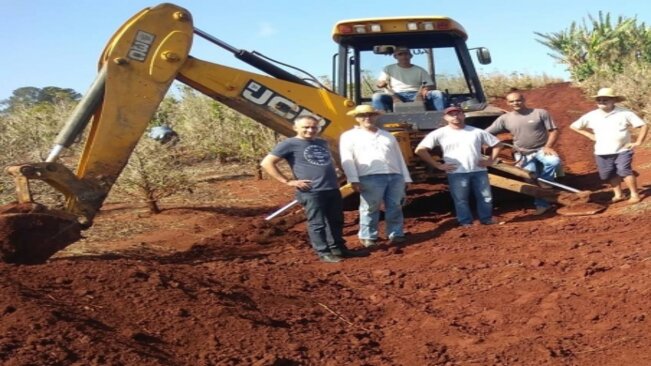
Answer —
581 209
578 204
574 201
30 234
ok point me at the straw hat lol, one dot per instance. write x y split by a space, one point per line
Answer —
608 93
363 109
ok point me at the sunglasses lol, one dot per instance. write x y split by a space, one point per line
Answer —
604 100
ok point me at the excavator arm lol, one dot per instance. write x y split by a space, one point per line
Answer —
137 68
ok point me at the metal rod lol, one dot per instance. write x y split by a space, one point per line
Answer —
216 41
253 60
558 185
281 210
80 116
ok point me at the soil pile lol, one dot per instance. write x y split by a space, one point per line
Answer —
214 285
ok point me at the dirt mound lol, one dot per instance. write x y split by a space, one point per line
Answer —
213 284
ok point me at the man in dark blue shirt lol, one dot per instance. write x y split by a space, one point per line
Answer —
317 187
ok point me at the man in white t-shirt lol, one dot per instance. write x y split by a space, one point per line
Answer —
375 167
608 126
464 163
403 82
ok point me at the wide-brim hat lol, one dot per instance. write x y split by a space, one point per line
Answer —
608 93
363 109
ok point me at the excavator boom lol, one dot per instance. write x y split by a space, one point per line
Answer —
137 68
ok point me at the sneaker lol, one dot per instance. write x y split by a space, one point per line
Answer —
397 240
490 222
347 253
368 243
540 210
330 258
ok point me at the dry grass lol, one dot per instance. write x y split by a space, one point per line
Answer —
634 83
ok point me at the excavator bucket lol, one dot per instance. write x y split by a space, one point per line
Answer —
30 233
573 201
581 209
577 204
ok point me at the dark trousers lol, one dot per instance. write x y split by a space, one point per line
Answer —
325 219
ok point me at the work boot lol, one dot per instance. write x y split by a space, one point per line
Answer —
329 258
368 243
347 253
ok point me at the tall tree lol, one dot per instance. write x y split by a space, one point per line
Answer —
29 96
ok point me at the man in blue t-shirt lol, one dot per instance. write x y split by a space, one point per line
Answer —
317 187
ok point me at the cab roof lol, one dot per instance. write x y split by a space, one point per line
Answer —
346 31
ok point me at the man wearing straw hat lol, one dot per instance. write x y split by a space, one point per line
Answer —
375 167
608 126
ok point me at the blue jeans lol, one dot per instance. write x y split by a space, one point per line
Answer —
461 185
544 166
434 100
325 219
375 189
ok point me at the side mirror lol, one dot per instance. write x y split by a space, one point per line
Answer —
483 55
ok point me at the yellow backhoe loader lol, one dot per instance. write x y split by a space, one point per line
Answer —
152 49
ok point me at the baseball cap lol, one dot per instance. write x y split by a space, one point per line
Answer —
452 109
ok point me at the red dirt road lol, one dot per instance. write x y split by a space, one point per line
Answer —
211 284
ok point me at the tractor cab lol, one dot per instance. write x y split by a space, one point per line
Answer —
437 44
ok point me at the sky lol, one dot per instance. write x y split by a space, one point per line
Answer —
58 42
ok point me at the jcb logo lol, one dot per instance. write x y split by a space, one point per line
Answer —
140 46
263 96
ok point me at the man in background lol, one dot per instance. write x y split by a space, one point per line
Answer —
534 135
608 126
404 82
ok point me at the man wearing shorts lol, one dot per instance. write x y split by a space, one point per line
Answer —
609 127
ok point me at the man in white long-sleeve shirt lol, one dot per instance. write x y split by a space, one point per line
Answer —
375 167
